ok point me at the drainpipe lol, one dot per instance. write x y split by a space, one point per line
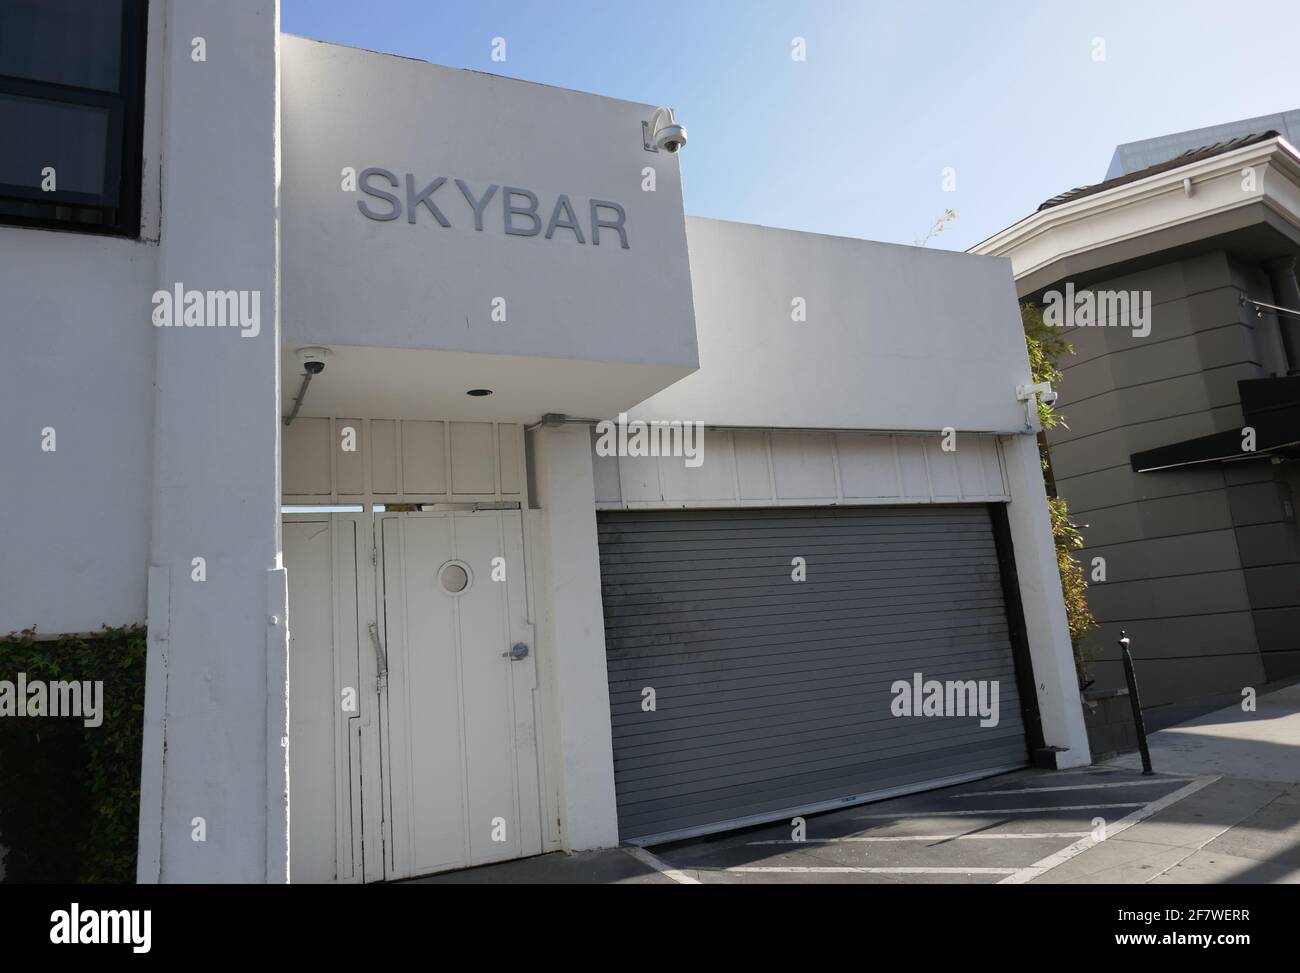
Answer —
1281 271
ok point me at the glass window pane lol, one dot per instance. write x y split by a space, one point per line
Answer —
72 42
74 139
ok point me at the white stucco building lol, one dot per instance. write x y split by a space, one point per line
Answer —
485 639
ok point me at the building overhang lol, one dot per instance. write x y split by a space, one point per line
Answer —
427 384
474 232
1270 410
1248 196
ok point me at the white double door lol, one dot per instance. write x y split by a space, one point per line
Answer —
413 722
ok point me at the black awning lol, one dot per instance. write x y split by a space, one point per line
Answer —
1270 406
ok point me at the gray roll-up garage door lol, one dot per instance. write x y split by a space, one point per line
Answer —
773 696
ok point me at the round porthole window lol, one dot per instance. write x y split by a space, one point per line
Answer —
454 577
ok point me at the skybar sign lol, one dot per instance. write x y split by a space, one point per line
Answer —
518 211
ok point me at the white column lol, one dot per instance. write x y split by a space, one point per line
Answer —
572 648
1048 633
215 759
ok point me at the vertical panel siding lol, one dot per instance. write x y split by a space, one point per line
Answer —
779 468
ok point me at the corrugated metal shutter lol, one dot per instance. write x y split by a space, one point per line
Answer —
774 696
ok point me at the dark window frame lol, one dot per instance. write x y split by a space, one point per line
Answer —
117 212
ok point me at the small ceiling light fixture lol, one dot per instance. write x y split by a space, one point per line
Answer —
662 132
479 393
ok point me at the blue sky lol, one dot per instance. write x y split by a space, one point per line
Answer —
853 141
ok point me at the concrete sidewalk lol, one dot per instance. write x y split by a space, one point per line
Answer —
1260 746
1243 828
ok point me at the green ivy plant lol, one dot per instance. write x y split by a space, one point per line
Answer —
70 794
1047 346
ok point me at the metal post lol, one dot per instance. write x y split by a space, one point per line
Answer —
1131 679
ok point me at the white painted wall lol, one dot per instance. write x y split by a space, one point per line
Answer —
1043 606
427 384
167 447
421 285
571 639
216 721
78 359
76 354
896 337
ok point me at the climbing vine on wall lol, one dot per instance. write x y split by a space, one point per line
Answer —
1047 346
70 793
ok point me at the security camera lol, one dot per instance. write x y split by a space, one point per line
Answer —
663 132
313 359
1041 392
670 138
1046 394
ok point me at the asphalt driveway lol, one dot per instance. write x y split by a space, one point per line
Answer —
1224 807
1012 828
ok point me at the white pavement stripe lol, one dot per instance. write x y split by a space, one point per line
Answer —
852 869
923 837
661 866
1044 865
1078 787
989 810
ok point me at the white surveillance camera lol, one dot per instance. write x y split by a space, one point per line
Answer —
670 138
313 359
1029 394
1046 394
663 132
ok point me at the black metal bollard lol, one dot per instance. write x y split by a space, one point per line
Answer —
1131 679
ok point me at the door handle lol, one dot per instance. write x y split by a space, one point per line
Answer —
381 657
517 651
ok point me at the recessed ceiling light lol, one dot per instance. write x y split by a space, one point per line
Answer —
478 393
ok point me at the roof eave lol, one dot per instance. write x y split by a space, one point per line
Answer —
1277 153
